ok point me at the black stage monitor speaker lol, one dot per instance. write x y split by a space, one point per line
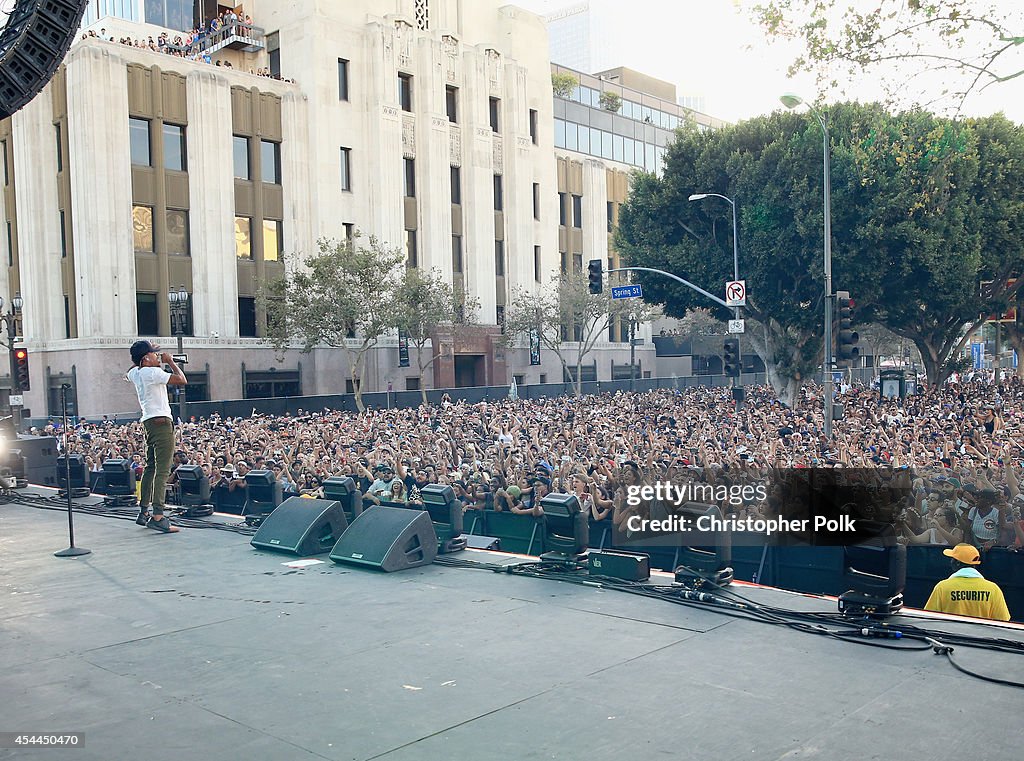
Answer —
33 43
619 564
302 526
388 538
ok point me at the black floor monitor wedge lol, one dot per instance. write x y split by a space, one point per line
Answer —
389 539
302 526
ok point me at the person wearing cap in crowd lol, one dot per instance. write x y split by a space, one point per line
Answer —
966 592
381 487
151 383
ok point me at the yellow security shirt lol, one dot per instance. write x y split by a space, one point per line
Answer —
968 593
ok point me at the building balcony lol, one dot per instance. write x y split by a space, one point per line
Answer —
245 38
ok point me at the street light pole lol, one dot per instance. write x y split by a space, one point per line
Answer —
792 101
179 312
735 252
11 322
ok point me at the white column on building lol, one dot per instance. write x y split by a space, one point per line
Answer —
296 176
212 205
377 168
35 167
518 181
101 189
433 158
595 211
478 186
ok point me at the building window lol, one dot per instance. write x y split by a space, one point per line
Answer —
264 385
457 254
577 211
246 317
272 240
63 236
274 53
7 175
411 259
67 317
536 200
142 228
177 232
499 258
611 215
499 201
243 237
533 125
175 156
564 261
494 110
577 263
60 149
412 384
451 103
138 137
349 229
10 245
456 175
240 149
561 209
342 79
270 162
346 169
405 91
409 166
536 263
146 314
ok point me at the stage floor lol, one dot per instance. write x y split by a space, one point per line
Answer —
195 645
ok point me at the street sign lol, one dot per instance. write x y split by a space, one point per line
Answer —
977 355
627 291
181 359
736 293
736 326
16 400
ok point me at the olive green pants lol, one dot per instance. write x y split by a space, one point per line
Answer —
159 451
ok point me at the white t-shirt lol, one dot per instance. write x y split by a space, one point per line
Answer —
151 386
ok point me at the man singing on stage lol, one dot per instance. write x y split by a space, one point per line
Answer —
150 383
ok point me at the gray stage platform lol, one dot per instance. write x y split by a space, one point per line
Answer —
197 646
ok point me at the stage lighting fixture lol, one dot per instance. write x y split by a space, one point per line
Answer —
119 480
194 491
710 559
876 570
79 484
446 514
263 492
566 534
343 489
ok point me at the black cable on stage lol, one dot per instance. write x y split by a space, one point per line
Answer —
101 509
863 632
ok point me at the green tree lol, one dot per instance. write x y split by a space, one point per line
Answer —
610 101
344 295
965 44
568 318
425 302
563 84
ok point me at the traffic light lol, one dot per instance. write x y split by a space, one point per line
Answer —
731 357
594 276
21 368
846 339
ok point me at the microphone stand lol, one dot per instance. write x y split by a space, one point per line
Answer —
71 551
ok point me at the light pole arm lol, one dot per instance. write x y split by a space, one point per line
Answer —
678 279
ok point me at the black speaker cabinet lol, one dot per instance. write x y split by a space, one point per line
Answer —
33 43
619 564
302 526
388 538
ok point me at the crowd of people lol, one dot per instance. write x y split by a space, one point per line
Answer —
194 45
958 448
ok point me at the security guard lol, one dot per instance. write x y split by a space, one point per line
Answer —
967 592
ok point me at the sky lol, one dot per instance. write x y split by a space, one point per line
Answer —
713 48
